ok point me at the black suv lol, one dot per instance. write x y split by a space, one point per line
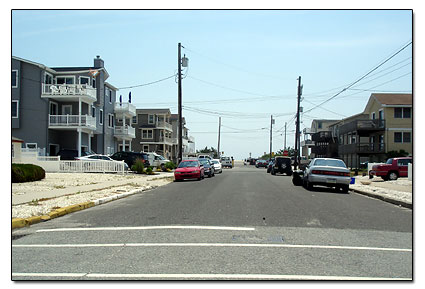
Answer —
130 158
282 165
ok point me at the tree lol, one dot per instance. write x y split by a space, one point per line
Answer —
395 154
209 151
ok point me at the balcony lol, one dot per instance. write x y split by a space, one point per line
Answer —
362 148
167 140
124 132
308 143
72 122
368 125
125 108
323 136
164 125
69 92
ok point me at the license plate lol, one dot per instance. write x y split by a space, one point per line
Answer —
331 181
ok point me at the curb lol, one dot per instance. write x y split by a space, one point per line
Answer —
385 199
26 222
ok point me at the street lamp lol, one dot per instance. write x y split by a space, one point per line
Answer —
180 62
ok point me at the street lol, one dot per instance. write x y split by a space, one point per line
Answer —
243 224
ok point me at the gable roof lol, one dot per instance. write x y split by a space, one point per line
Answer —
393 98
389 99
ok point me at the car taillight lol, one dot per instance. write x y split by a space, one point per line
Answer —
330 173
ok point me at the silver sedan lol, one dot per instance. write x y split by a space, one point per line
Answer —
327 172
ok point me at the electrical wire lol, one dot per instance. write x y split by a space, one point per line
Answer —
149 83
361 78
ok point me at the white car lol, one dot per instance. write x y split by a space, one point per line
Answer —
217 166
327 172
97 157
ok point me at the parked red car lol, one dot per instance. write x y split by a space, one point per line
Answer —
392 169
189 169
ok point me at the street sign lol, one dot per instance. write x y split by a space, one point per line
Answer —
285 153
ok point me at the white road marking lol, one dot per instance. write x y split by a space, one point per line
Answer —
208 245
148 228
205 276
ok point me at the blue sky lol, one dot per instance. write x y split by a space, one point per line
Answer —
243 64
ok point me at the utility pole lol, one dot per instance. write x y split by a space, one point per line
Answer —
297 132
179 71
271 132
284 140
219 127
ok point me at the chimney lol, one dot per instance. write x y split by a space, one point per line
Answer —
98 62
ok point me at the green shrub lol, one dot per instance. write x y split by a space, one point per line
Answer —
138 167
22 173
149 171
170 166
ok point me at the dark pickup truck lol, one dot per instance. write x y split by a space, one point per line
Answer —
392 169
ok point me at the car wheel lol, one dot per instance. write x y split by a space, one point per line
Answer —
309 185
344 189
273 172
392 176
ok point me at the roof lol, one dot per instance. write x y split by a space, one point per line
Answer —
15 139
153 110
393 98
62 70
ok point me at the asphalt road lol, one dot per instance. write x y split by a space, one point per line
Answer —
242 224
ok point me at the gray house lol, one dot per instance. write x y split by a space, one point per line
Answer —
57 108
153 131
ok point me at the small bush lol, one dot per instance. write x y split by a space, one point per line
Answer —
170 166
149 171
138 167
22 173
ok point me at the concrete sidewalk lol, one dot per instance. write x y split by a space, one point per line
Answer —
31 196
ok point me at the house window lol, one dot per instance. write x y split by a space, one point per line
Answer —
407 112
53 108
146 148
94 82
93 111
398 137
147 133
320 125
151 119
48 78
108 94
373 115
67 109
134 119
65 80
406 137
110 120
101 116
14 78
15 109
84 80
31 145
381 114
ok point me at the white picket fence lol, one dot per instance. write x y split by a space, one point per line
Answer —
55 165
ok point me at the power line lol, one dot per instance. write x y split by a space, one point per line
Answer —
149 83
233 66
361 78
238 90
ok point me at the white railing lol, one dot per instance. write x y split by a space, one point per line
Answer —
68 90
38 151
163 124
165 139
124 107
125 131
72 120
92 166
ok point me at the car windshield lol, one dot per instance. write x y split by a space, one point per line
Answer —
187 164
389 161
330 163
215 162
